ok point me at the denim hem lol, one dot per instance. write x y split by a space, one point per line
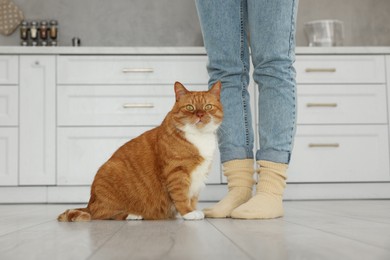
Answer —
237 153
274 156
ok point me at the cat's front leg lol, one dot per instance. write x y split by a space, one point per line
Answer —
195 214
194 202
187 211
178 191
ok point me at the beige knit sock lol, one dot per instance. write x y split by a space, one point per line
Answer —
240 182
268 201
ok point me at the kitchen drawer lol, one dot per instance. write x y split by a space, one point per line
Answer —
9 69
8 105
358 153
340 69
342 104
82 150
115 105
9 156
132 69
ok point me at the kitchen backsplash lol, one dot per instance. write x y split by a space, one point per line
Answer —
175 22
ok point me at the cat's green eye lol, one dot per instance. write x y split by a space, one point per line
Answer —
208 107
190 108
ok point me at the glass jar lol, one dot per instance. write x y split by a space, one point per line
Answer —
34 30
43 30
24 30
53 29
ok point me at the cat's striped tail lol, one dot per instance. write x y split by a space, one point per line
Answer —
75 215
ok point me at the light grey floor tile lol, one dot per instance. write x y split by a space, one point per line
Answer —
54 240
277 239
171 239
365 231
18 217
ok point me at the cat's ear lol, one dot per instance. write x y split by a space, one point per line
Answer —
180 90
216 89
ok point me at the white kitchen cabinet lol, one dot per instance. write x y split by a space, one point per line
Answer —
8 156
329 69
37 129
62 115
9 69
9 105
342 104
115 105
342 127
118 98
82 150
9 120
132 69
388 90
340 153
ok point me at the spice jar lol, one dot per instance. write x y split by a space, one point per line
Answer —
43 30
34 30
53 29
24 30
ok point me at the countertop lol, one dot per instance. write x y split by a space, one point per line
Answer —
4 50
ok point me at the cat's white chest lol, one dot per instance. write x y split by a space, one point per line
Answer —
206 144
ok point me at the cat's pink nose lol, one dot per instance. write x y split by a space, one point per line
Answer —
200 113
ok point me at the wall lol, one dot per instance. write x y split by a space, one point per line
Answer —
175 22
366 22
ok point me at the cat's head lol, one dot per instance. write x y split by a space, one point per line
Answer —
198 110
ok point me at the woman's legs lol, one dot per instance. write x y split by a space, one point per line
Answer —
224 28
223 24
272 33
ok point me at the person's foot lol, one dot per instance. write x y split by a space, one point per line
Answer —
239 174
262 206
235 197
268 201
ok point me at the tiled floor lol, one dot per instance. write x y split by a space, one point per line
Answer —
310 230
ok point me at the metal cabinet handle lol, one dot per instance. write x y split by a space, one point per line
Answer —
137 70
325 70
138 105
325 145
321 105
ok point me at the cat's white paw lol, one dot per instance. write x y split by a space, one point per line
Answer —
194 215
134 217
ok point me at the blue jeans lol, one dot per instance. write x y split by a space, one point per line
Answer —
270 25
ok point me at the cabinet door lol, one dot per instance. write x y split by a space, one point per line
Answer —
340 69
132 69
82 150
8 105
115 105
37 120
342 153
9 156
8 69
342 104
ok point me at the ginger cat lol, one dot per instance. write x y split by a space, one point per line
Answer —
160 172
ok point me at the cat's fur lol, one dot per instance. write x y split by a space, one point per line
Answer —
161 172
